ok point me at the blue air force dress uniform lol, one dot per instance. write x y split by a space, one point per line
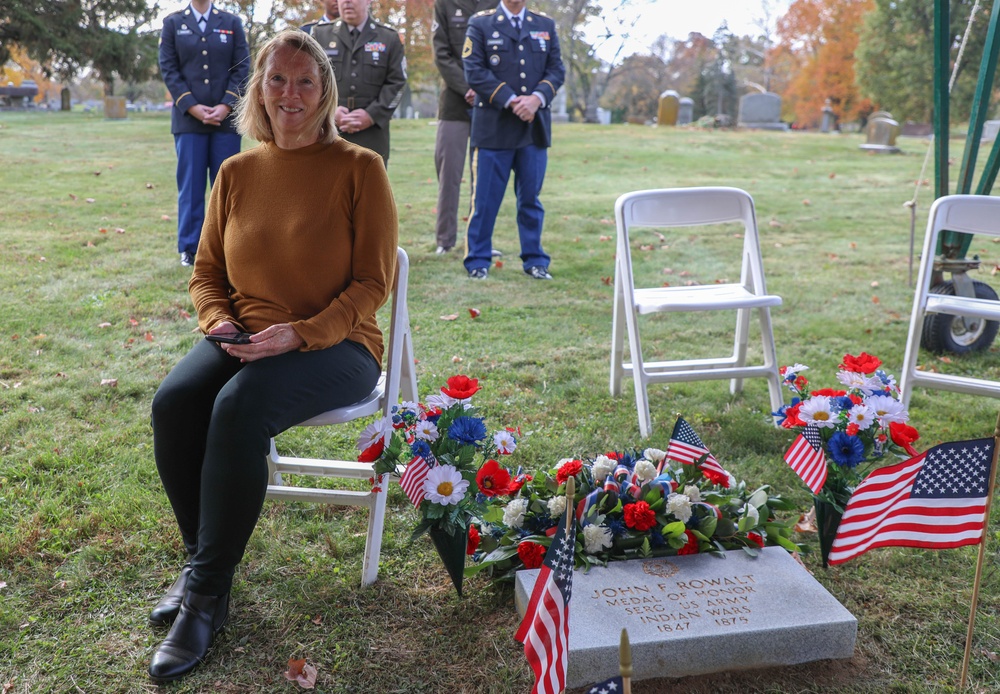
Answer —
502 62
371 72
207 66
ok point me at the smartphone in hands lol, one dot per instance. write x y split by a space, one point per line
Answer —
231 338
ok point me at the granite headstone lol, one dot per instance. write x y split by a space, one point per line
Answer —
697 614
685 110
881 134
668 107
761 111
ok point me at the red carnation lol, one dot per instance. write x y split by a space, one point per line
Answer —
800 383
792 417
614 456
639 516
531 554
852 429
715 477
756 538
570 468
903 435
461 387
518 482
864 363
691 545
473 542
372 453
492 479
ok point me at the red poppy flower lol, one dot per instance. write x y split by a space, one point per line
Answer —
792 417
829 392
639 516
568 469
864 363
856 399
903 435
372 453
715 477
473 542
756 538
531 554
691 546
517 483
461 387
492 479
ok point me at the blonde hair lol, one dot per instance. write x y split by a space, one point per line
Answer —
251 117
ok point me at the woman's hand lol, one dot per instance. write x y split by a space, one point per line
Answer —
269 342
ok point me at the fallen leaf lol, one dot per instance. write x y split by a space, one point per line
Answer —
165 217
474 312
946 360
97 173
3 584
110 382
132 321
90 244
91 200
806 202
185 314
301 672
875 300
456 359
104 325
8 686
72 197
149 336
685 273
807 522
991 655
450 316
646 247
853 245
103 230
668 271
607 280
604 238
774 223
606 221
119 230
498 264
833 175
35 410
149 186
317 620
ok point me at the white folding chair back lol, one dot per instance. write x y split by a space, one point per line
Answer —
972 214
687 207
398 377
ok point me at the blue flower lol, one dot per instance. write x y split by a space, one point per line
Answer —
842 402
539 524
467 430
781 413
656 538
846 450
617 527
421 448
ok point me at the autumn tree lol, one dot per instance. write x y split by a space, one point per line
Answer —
819 38
635 90
896 57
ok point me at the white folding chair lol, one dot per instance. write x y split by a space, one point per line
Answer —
398 376
971 214
688 207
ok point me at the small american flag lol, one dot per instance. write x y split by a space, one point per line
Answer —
936 500
615 685
686 447
544 631
412 480
807 458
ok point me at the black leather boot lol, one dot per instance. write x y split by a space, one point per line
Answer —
200 618
166 609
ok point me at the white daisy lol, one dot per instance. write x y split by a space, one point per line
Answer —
513 515
862 416
693 493
851 379
887 409
380 429
602 467
557 506
444 485
679 506
596 538
426 430
817 410
794 370
645 470
505 442
440 400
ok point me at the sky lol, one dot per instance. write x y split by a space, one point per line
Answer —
678 18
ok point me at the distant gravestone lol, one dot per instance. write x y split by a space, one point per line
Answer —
990 130
114 107
881 134
668 109
685 110
761 111
64 99
697 614
829 122
603 116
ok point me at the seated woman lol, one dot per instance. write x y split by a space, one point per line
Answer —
298 248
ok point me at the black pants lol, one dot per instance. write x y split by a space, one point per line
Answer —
213 418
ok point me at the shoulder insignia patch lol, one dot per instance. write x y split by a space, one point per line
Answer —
467 48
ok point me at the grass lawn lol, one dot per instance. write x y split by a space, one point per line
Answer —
94 312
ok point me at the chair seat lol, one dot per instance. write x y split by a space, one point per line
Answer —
363 408
703 297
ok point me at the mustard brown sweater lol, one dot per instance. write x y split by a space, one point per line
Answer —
304 236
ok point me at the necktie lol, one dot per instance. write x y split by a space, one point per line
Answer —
516 21
202 23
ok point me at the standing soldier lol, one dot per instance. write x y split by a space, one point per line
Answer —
204 60
512 62
451 19
331 13
367 59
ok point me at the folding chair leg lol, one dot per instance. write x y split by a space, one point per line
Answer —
617 337
373 543
408 378
740 347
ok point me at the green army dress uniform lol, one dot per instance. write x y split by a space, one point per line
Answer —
371 72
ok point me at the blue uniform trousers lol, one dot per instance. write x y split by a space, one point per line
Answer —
493 167
199 156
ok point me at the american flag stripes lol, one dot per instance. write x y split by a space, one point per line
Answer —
807 458
544 631
412 480
686 447
936 500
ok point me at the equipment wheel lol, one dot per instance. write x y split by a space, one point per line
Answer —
946 333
